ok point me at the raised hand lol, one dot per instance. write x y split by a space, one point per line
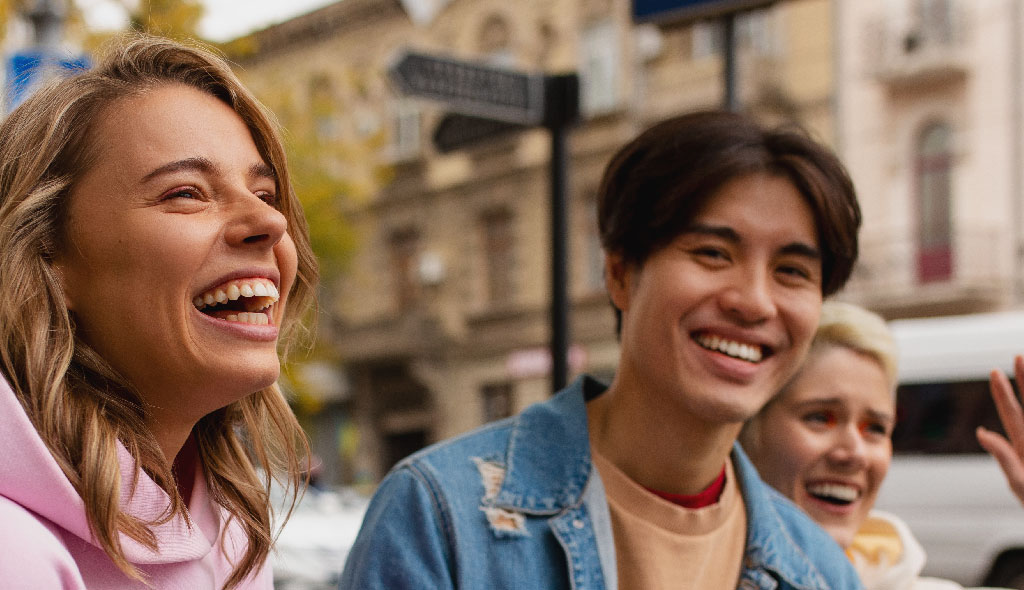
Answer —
1009 453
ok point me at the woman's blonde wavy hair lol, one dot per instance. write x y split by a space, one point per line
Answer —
81 407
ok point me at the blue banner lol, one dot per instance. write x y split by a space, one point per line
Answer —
26 69
680 11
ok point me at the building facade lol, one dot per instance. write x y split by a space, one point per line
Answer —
929 119
441 319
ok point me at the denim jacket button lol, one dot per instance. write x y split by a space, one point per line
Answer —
578 524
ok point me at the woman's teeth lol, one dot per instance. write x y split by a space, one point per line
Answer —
747 352
245 317
240 300
833 492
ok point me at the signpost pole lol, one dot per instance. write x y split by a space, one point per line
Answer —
508 100
729 75
561 112
559 260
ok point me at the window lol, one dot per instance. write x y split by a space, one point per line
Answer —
707 39
934 20
496 42
322 106
404 247
594 255
497 400
499 256
940 418
599 68
405 131
757 32
934 162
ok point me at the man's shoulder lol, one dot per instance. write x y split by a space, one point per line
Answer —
782 538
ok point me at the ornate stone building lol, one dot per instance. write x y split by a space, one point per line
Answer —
929 122
441 319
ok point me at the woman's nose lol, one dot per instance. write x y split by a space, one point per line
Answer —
849 447
255 222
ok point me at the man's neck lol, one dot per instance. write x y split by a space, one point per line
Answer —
665 448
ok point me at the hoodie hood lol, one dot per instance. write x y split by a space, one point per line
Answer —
885 553
31 477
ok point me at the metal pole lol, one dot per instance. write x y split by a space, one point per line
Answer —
559 260
562 108
729 76
47 17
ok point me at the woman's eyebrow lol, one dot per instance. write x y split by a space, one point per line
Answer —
197 163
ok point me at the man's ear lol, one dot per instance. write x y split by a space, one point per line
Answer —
618 279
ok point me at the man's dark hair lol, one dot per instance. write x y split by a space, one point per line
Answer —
656 184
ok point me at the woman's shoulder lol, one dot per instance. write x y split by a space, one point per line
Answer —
34 554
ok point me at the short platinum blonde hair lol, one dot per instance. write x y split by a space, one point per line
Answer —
850 326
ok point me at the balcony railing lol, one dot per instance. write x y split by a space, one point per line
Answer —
919 53
888 273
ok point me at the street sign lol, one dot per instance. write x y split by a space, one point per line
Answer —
457 131
472 89
492 100
666 12
27 69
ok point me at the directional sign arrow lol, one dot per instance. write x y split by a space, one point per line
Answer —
472 89
457 131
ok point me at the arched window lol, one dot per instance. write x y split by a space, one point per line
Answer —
495 41
933 171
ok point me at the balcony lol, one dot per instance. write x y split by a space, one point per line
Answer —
889 275
921 54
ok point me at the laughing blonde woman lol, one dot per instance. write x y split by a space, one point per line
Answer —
152 258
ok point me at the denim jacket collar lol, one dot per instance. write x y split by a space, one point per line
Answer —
769 546
562 423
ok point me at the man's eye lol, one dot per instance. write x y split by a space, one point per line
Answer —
795 271
710 253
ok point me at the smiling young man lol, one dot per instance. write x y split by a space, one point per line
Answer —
721 241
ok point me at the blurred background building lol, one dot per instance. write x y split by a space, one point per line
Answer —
440 318
435 309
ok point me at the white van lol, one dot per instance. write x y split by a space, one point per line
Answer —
950 492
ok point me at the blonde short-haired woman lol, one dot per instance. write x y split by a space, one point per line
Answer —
825 443
153 258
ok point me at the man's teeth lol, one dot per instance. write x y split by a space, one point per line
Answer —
747 352
259 294
834 492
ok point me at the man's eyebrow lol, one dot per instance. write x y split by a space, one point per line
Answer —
198 163
721 231
729 234
802 249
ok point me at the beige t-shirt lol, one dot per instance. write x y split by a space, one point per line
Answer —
661 545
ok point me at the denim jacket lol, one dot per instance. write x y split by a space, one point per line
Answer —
518 504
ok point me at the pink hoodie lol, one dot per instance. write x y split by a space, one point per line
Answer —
45 540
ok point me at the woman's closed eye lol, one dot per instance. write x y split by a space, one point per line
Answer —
822 419
184 192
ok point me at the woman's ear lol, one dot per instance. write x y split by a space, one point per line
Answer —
618 279
60 272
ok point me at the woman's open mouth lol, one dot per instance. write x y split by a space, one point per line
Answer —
247 301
